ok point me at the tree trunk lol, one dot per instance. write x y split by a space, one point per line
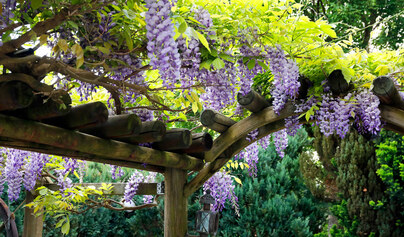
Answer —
175 203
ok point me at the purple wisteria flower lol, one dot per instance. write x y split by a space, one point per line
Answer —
33 169
13 172
132 185
280 139
367 112
286 74
222 189
161 46
292 125
149 179
116 171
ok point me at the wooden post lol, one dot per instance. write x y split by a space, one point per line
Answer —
175 203
33 225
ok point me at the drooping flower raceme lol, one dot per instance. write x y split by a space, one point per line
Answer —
222 189
162 48
13 173
132 185
116 171
149 179
64 182
33 169
292 125
280 139
367 112
286 74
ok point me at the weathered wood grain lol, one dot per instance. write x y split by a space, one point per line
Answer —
56 137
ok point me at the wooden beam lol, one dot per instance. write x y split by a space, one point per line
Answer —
150 131
35 132
117 188
81 116
392 115
15 95
29 146
394 128
123 125
245 126
175 203
253 101
384 88
211 168
44 107
338 84
201 142
174 139
215 120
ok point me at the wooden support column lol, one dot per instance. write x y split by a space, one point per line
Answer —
175 203
33 225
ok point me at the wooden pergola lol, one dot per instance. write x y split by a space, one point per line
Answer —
86 132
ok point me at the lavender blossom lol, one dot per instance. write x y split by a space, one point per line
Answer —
222 189
285 82
280 139
116 171
13 172
162 49
367 112
149 179
33 169
292 125
132 185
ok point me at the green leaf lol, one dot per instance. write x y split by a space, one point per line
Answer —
194 96
43 191
60 223
328 30
251 64
76 174
218 63
203 40
183 27
35 4
190 99
103 50
348 73
263 65
195 107
206 64
308 115
117 8
73 24
226 57
128 39
66 227
238 180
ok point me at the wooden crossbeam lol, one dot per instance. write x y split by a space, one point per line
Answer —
211 168
67 140
30 146
245 126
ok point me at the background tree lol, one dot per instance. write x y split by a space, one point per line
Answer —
360 18
276 202
356 186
